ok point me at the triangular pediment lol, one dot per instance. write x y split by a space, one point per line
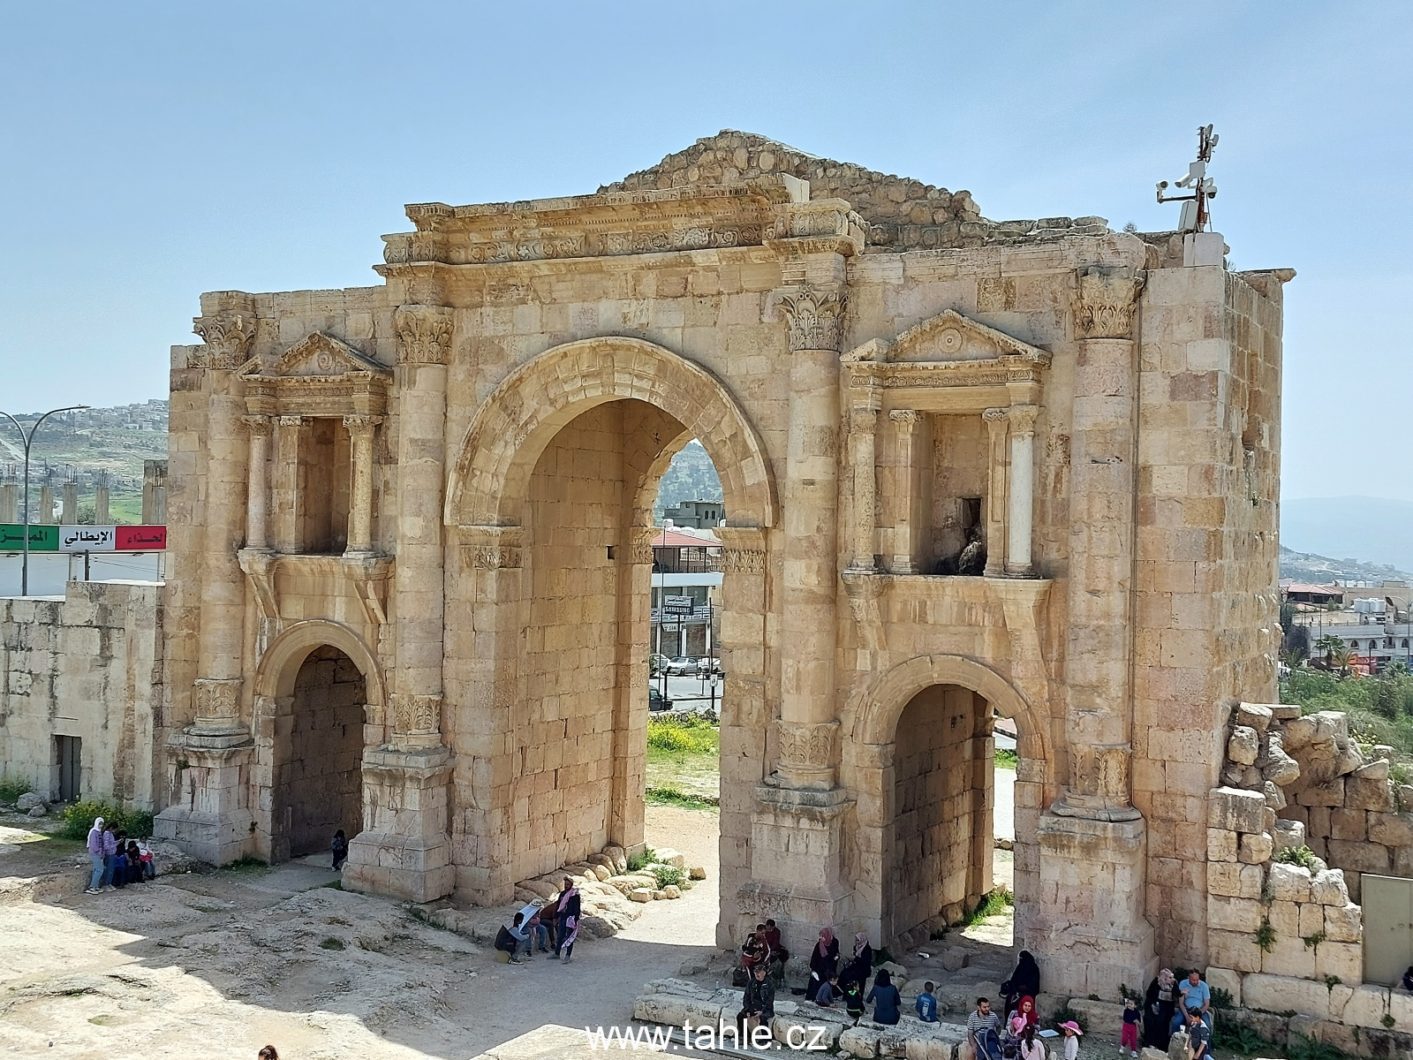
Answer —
319 356
949 338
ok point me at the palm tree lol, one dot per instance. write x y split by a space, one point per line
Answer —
1329 644
1344 657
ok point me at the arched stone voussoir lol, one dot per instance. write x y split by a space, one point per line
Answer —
280 664
876 705
521 415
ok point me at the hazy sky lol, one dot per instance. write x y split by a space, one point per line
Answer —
149 152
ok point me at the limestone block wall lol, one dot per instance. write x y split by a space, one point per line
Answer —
88 665
1205 605
942 791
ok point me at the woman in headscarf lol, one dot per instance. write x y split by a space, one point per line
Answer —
95 856
567 919
860 964
824 962
1158 1005
1023 1016
1024 981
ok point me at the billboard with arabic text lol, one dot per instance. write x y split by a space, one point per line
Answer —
74 539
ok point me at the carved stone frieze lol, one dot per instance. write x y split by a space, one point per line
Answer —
424 333
815 316
216 698
807 748
415 715
1104 304
227 336
491 547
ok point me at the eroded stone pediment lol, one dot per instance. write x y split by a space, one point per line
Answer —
949 338
318 356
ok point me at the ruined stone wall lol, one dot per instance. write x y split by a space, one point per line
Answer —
90 666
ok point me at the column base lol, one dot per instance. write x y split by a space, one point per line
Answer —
797 866
404 850
213 821
1089 924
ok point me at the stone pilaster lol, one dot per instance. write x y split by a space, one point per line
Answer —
902 559
69 504
101 499
1020 495
1101 566
257 505
815 316
997 421
863 424
1093 842
360 508
405 848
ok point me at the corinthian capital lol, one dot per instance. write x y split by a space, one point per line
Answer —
227 337
423 333
815 315
1103 307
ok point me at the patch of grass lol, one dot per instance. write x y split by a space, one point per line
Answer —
637 861
1243 1041
1006 758
684 734
1301 855
333 885
1303 1048
1311 941
994 904
78 819
11 789
666 795
1266 935
247 864
332 943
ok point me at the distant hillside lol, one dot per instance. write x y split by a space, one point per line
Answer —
1308 567
690 477
1377 530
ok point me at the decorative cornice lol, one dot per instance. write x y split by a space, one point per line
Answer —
424 333
815 316
491 547
227 336
1105 300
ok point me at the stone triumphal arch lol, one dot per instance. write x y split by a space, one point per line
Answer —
971 469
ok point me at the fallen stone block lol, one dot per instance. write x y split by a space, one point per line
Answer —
1244 745
1255 715
671 892
668 856
696 872
640 894
1255 849
1236 810
955 958
859 1041
1289 883
29 800
1275 797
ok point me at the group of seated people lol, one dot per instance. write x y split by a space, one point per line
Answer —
117 860
763 948
553 927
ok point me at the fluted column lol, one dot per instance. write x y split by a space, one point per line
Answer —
257 503
1101 563
360 507
424 343
286 484
996 425
810 552
863 423
902 560
1020 507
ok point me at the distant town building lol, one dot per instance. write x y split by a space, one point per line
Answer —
1319 595
702 515
686 567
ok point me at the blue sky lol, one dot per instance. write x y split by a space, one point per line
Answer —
149 152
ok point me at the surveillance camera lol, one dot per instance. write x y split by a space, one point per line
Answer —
1162 183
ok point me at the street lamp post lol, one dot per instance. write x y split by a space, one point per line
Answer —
29 441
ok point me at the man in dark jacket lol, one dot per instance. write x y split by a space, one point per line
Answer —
757 1003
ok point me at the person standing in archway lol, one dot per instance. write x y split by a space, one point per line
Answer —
339 847
860 965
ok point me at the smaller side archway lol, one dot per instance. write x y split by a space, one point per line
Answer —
920 762
318 705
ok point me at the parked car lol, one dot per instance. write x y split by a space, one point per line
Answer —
683 664
657 662
709 666
657 701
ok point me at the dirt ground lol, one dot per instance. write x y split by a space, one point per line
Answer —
217 965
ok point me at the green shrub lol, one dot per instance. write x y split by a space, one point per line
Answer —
1242 1041
1303 1048
1301 855
1221 998
11 789
78 819
1006 758
670 796
994 904
669 876
1266 935
1066 1014
644 857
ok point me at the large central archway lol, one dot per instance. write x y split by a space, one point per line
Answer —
551 496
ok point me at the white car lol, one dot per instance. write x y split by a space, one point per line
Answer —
680 666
